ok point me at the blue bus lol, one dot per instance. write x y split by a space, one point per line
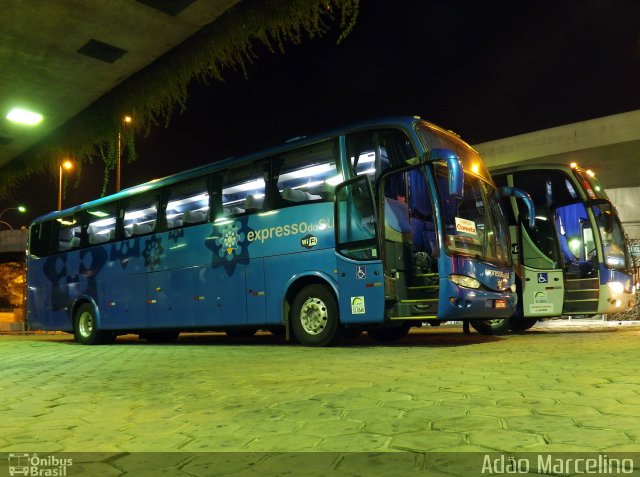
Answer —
575 260
381 226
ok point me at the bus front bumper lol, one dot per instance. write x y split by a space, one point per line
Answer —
459 303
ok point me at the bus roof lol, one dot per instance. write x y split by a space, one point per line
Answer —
407 122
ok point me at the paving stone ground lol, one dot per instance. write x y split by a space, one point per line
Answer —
560 387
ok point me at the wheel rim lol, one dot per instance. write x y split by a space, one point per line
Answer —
85 324
314 316
494 323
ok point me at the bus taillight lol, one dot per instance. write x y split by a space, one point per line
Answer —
500 304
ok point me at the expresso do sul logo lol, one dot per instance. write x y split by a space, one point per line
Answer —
309 241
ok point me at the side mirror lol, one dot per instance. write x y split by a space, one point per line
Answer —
526 198
456 174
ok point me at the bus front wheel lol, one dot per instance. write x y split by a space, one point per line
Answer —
491 327
86 327
314 316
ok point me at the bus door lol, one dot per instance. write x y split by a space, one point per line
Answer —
360 283
579 255
540 267
410 242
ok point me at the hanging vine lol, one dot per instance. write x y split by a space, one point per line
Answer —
160 90
109 159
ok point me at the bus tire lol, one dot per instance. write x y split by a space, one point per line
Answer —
160 336
85 327
491 327
389 333
523 324
314 316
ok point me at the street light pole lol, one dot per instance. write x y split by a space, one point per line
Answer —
66 165
20 208
125 120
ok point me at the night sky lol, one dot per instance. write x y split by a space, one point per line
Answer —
486 70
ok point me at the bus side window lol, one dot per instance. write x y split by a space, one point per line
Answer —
373 152
101 224
140 215
187 204
243 191
40 239
68 233
307 174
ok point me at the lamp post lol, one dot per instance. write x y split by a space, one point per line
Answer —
20 209
66 165
125 121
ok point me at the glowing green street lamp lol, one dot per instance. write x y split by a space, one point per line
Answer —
22 209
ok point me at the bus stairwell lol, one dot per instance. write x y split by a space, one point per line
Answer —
581 296
578 250
410 246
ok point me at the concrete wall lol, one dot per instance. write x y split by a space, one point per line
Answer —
13 240
627 201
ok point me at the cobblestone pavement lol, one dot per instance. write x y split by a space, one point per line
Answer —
560 387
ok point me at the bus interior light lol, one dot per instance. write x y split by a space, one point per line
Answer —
307 172
104 222
573 165
98 213
257 184
334 181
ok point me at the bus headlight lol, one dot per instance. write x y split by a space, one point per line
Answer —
514 288
464 281
616 287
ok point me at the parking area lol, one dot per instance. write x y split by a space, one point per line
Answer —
560 387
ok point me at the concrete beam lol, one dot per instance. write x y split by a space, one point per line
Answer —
610 146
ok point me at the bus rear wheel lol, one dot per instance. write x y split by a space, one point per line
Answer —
314 316
85 327
491 327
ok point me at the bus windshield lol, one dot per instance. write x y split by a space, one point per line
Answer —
474 224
